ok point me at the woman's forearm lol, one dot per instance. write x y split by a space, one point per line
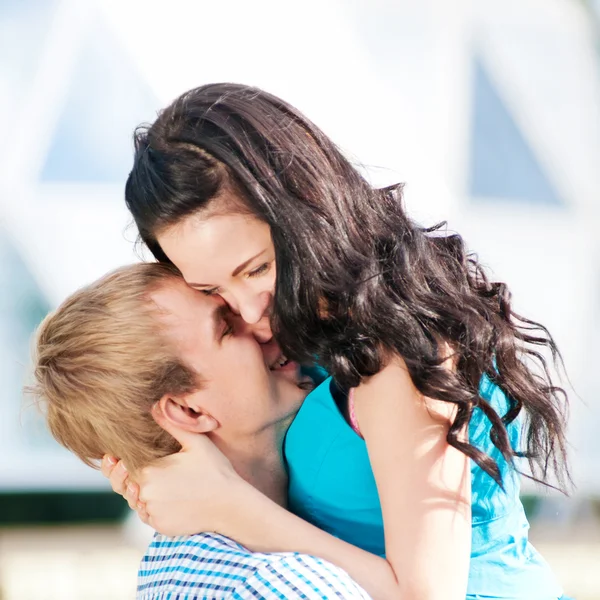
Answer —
263 526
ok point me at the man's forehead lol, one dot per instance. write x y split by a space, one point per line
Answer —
178 304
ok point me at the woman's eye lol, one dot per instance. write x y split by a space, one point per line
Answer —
212 292
228 330
259 270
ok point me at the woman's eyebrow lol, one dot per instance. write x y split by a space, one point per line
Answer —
241 267
237 270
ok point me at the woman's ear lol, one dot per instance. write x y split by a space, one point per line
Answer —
177 413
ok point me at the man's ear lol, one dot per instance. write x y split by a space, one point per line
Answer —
177 413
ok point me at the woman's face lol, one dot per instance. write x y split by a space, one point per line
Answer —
230 255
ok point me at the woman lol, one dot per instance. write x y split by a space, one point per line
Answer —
430 364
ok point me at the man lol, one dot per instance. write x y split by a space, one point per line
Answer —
140 347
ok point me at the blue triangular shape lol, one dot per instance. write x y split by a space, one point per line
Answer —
502 164
107 99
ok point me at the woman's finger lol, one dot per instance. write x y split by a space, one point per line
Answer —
132 495
118 479
107 465
143 513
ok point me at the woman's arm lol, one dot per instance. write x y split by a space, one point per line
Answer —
261 525
424 485
424 488
197 489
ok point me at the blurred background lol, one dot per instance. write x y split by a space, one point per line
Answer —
489 110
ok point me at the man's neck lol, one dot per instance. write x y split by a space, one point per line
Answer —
259 459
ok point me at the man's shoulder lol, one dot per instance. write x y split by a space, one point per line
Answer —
191 563
295 575
193 566
198 543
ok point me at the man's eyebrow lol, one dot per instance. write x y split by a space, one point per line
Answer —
237 271
218 319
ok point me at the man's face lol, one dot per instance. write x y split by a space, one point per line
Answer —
245 385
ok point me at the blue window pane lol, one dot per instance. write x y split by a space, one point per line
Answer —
107 99
502 163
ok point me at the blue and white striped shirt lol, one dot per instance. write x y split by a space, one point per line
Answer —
213 567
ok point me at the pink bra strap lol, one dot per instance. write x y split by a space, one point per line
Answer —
352 413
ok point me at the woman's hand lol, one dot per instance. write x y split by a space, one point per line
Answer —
183 493
116 472
191 491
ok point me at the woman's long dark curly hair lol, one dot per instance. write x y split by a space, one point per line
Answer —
355 276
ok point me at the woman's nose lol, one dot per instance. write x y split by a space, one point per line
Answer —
262 330
254 308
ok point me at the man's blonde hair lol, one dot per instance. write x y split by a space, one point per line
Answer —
102 360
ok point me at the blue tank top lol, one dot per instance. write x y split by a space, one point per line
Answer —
331 485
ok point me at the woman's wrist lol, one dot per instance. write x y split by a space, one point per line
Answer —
239 508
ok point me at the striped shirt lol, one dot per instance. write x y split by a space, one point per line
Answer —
213 567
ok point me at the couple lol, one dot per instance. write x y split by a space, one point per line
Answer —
403 466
